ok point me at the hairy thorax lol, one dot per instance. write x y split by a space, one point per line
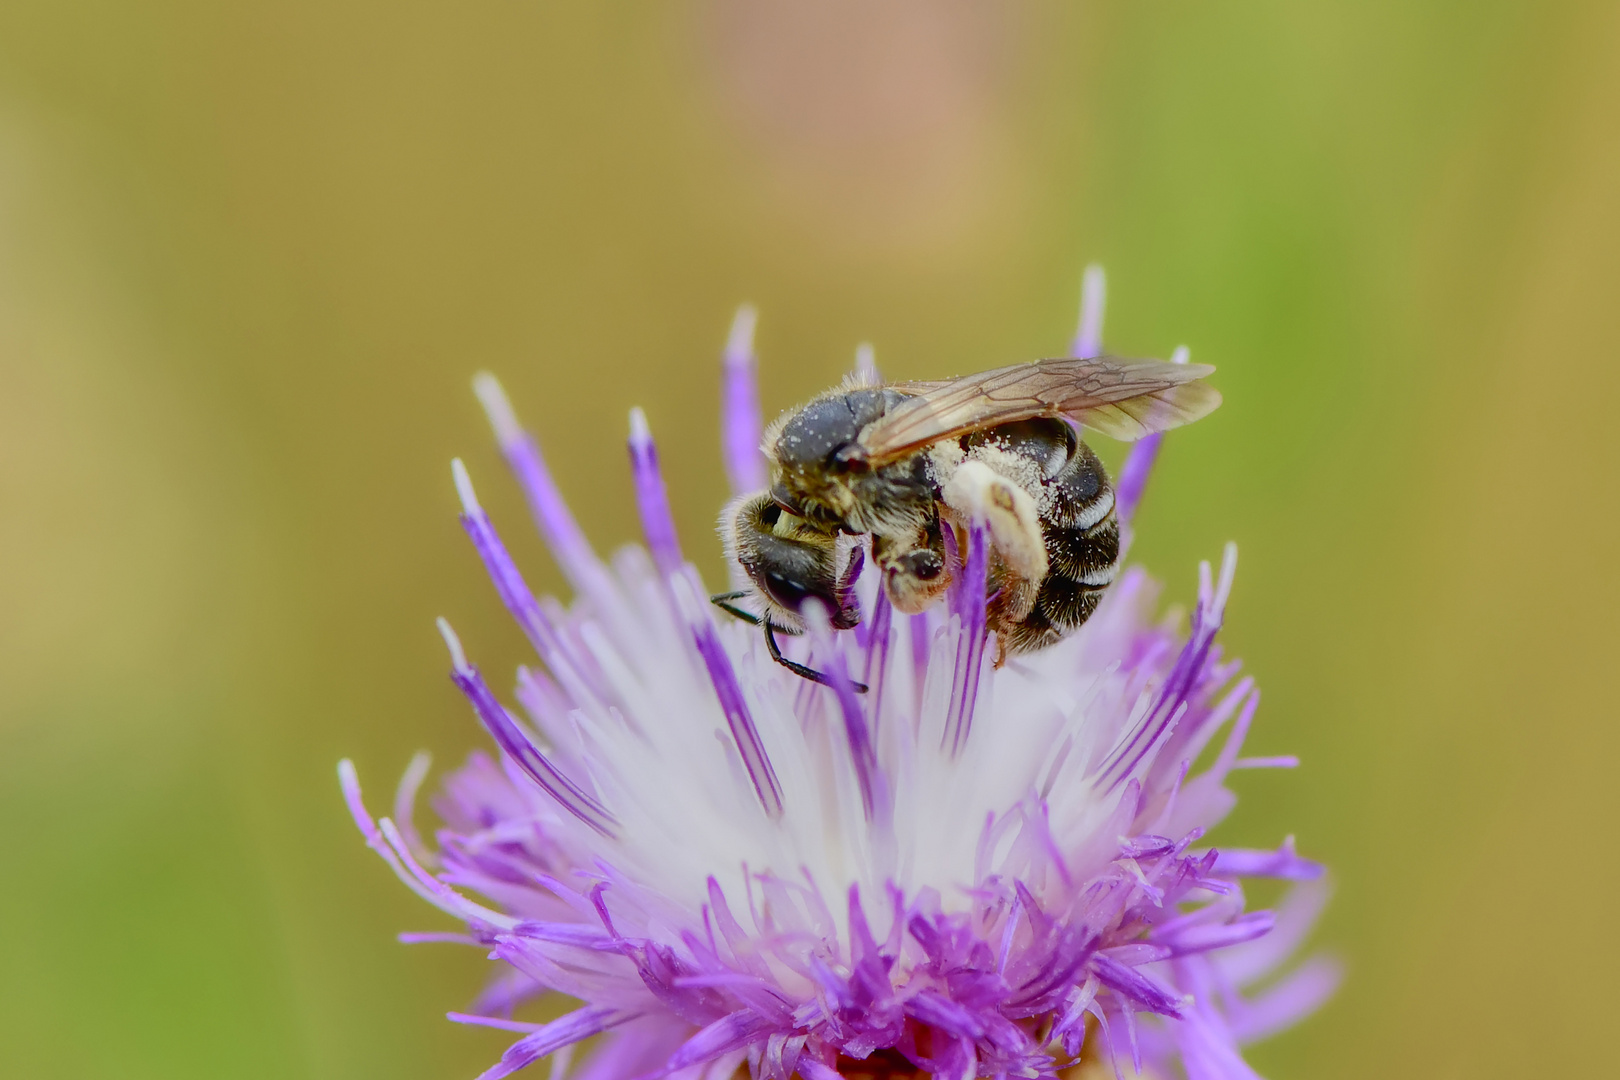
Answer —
897 497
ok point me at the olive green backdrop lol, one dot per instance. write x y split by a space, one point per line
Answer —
251 253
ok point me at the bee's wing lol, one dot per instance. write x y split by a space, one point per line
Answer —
1124 399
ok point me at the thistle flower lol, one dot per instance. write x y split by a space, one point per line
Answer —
967 871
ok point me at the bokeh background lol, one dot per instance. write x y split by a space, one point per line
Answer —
251 253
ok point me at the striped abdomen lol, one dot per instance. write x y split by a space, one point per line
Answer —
1082 551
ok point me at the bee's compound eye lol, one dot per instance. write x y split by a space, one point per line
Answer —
785 591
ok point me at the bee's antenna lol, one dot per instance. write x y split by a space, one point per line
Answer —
724 601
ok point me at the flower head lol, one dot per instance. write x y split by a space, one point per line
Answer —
966 871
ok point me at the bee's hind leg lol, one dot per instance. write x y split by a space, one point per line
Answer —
797 668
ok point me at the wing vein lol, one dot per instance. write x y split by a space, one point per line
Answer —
1125 399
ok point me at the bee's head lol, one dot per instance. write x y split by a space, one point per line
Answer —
817 452
791 562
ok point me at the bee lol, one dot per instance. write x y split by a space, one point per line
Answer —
911 463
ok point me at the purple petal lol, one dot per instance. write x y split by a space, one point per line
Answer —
506 992
405 801
969 601
723 677
880 632
576 934
1284 863
1195 939
1234 738
1140 989
869 969
1300 993
659 525
857 733
632 1050
551 514
1133 475
428 937
866 369
1208 1048
861 752
812 1069
385 840
736 938
1276 761
1093 298
922 641
1179 687
514 591
741 424
721 1037
499 1022
1296 915
941 1012
652 498
564 1031
516 745
781 1056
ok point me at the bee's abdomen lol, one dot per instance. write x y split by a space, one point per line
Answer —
1083 563
1085 555
1082 552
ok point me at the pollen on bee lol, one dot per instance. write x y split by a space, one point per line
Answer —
977 491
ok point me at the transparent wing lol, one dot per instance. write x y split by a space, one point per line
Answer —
1124 399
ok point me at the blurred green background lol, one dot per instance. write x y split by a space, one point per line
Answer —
251 253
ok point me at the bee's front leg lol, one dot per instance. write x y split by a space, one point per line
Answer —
913 565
